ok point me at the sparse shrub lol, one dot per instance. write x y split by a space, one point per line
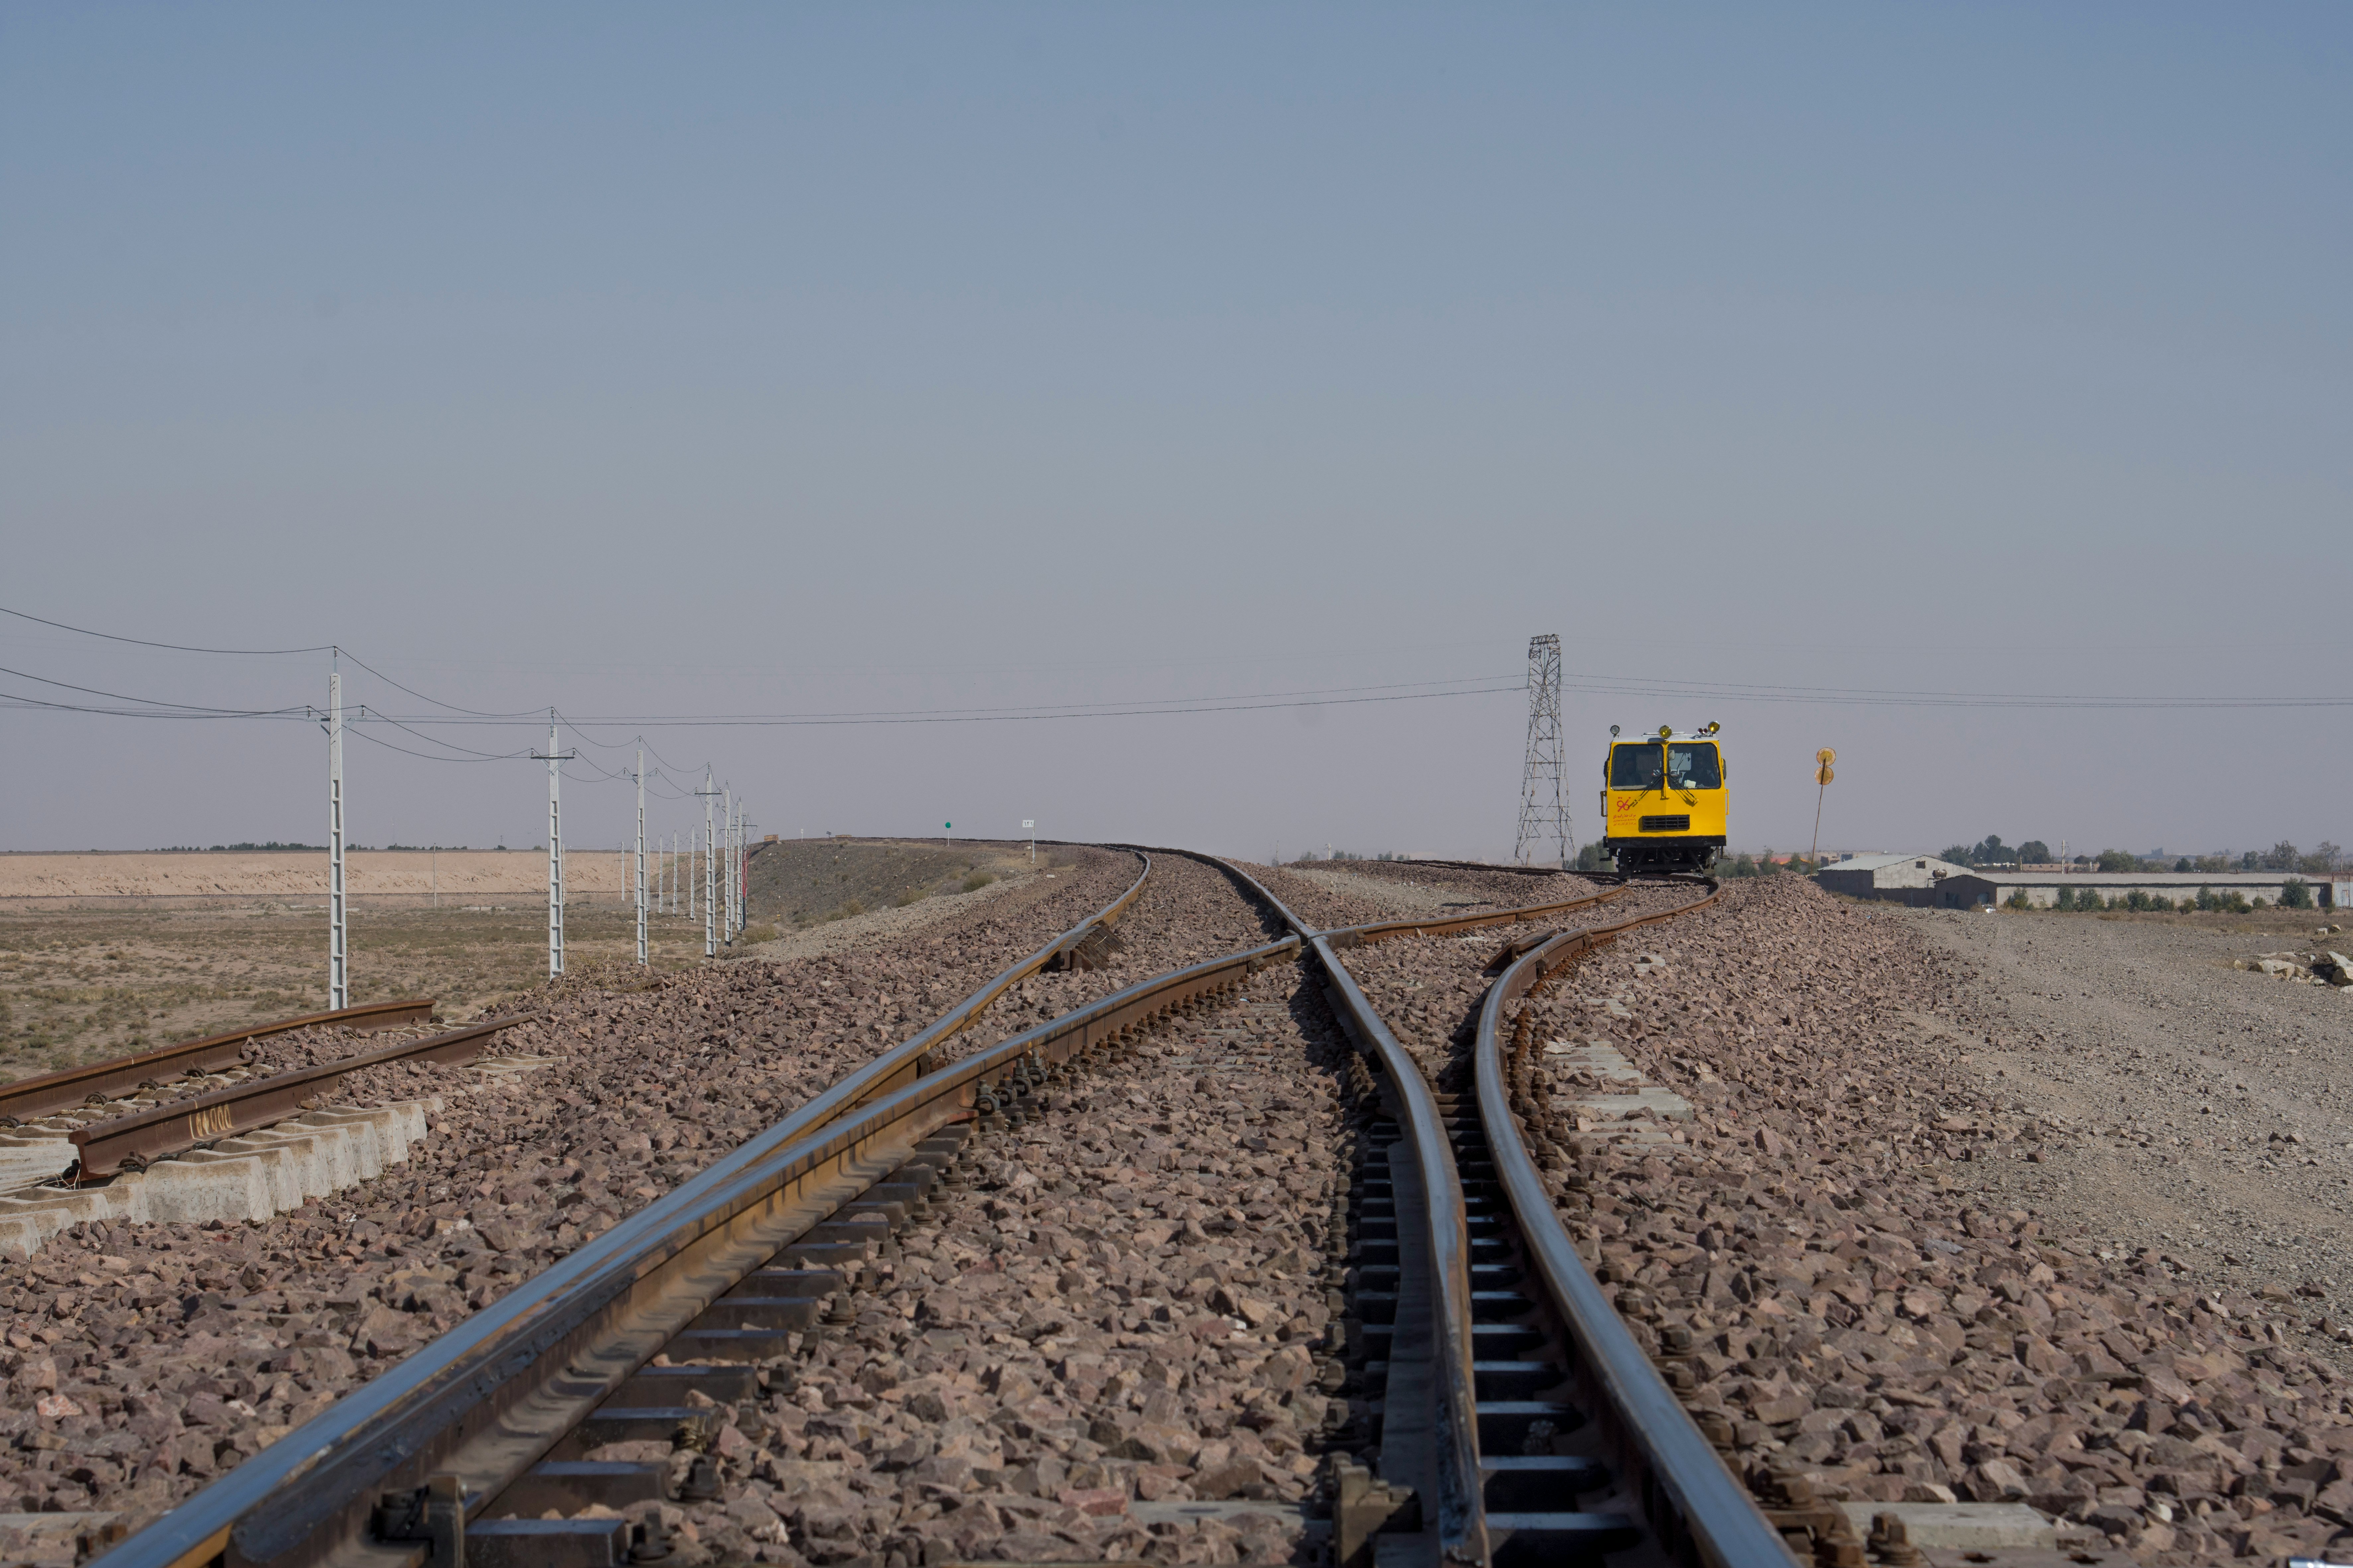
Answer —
2139 900
977 881
910 896
2297 895
2017 900
2064 900
1744 866
759 933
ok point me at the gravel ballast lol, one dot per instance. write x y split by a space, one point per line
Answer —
1865 1304
142 1361
1117 1309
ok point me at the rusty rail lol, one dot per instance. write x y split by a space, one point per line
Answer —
484 1402
62 1091
1381 931
130 1142
496 1390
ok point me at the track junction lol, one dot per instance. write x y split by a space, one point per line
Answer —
1166 1241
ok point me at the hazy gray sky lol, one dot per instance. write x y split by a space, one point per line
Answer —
754 361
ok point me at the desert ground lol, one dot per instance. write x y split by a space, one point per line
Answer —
415 877
102 955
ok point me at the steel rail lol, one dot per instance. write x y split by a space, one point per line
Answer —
487 1399
109 1147
316 1484
72 1086
1697 1509
1429 1435
1382 931
1453 1440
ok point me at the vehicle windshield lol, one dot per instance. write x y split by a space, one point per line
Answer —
1634 766
1693 767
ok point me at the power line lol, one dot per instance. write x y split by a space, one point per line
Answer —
191 708
1024 715
532 714
470 754
377 740
1741 691
176 647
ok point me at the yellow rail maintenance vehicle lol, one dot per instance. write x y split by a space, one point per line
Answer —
1667 800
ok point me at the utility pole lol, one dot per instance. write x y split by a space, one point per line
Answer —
710 872
641 856
555 761
339 977
727 867
1544 811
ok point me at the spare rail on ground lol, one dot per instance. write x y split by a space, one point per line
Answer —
73 1085
132 1142
484 1401
129 1142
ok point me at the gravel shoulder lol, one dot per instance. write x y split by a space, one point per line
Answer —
2199 1112
1839 1229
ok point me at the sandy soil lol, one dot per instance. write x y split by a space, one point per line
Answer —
2184 1107
81 984
458 876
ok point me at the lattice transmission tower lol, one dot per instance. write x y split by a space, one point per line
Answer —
1544 809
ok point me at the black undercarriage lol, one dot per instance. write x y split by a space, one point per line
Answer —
1662 854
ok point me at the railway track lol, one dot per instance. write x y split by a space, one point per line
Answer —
1483 1379
29 1098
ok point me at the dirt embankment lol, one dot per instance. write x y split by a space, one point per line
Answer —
802 881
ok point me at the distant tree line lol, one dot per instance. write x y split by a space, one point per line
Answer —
2280 857
310 849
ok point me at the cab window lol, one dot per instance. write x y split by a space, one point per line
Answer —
1694 767
1635 767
